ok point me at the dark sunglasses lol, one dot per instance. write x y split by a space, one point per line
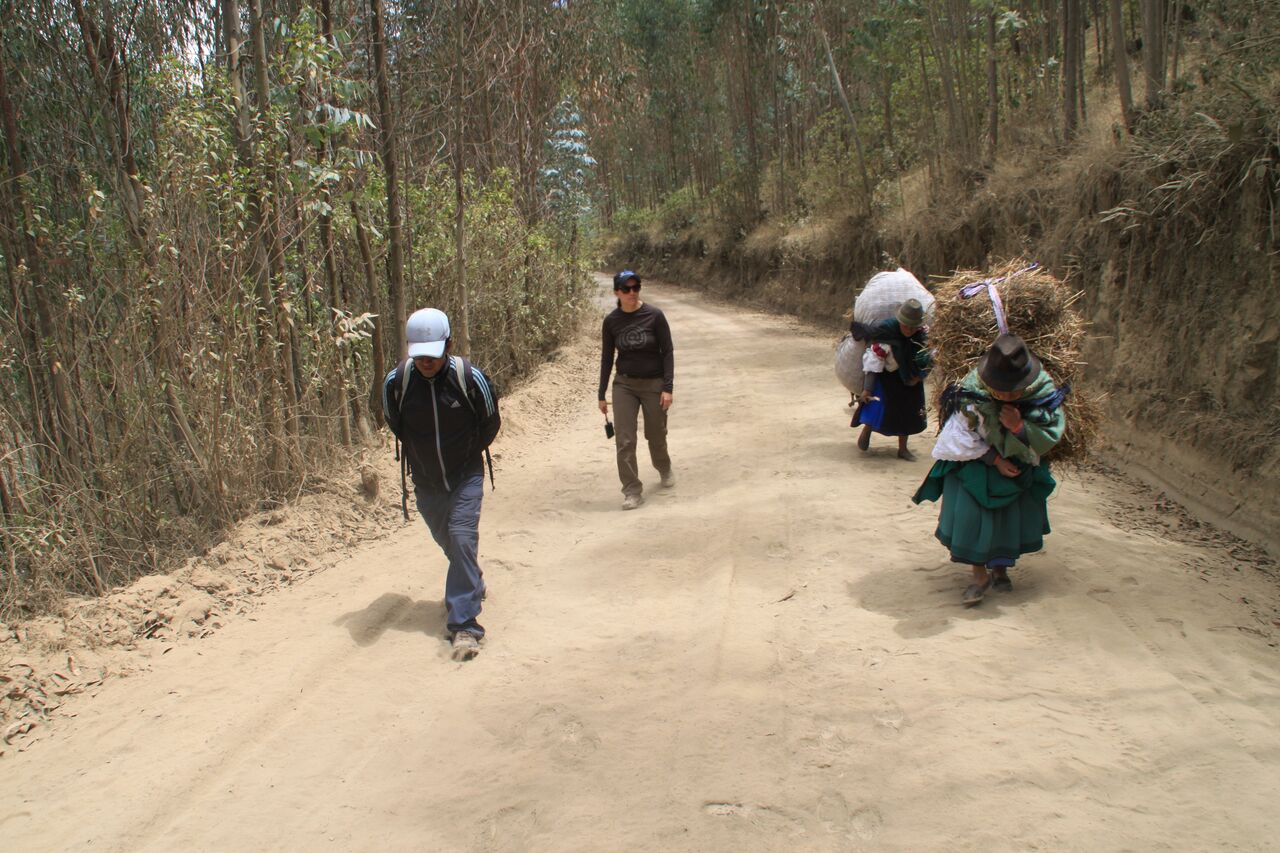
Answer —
628 288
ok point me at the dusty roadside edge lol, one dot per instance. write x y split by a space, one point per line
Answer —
52 663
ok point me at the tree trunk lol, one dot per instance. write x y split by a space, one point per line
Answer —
1121 59
373 306
1081 42
55 427
942 48
1070 71
459 234
853 124
108 69
326 216
387 143
932 151
1153 34
270 388
270 232
993 92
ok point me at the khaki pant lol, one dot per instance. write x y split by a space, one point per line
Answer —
629 397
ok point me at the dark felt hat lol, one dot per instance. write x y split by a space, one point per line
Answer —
911 313
1008 365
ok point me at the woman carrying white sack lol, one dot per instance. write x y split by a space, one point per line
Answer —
896 362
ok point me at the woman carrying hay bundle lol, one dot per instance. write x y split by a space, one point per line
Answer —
896 362
998 423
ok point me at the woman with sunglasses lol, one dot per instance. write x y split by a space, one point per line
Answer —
639 335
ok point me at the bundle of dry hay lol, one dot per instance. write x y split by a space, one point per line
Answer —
1038 308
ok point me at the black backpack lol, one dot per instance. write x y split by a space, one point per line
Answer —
459 370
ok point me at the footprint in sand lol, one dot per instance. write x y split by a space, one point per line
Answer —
778 551
839 818
829 743
508 829
764 818
834 813
866 822
890 720
552 727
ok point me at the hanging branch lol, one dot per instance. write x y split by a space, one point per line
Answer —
853 123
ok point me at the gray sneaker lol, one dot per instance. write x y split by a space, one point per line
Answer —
466 645
668 479
632 501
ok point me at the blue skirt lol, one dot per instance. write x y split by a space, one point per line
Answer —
899 409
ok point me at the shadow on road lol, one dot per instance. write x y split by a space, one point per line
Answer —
391 611
926 599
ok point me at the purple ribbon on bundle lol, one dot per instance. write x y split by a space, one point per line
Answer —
989 285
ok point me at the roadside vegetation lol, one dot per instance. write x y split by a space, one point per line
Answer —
214 218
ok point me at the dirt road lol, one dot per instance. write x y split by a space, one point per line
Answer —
771 656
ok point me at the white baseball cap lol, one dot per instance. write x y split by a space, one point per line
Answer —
426 333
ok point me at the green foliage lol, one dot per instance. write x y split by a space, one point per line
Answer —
202 375
568 174
829 179
524 291
680 209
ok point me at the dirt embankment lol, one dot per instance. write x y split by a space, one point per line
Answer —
1176 255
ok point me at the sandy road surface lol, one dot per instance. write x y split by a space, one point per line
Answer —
769 657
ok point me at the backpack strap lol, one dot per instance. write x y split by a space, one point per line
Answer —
401 381
402 378
462 373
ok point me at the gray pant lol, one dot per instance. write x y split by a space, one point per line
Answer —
630 395
453 517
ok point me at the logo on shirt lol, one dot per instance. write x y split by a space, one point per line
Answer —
633 337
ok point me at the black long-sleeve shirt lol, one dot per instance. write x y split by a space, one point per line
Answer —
642 340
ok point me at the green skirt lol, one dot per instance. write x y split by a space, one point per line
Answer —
986 515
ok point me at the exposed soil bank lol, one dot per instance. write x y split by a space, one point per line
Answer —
1180 287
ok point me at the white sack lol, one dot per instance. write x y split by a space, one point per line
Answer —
880 299
849 363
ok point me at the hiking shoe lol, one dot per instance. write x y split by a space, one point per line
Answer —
632 501
668 479
466 645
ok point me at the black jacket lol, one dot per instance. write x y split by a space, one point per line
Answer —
912 354
442 435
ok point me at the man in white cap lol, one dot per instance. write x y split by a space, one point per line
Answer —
445 414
